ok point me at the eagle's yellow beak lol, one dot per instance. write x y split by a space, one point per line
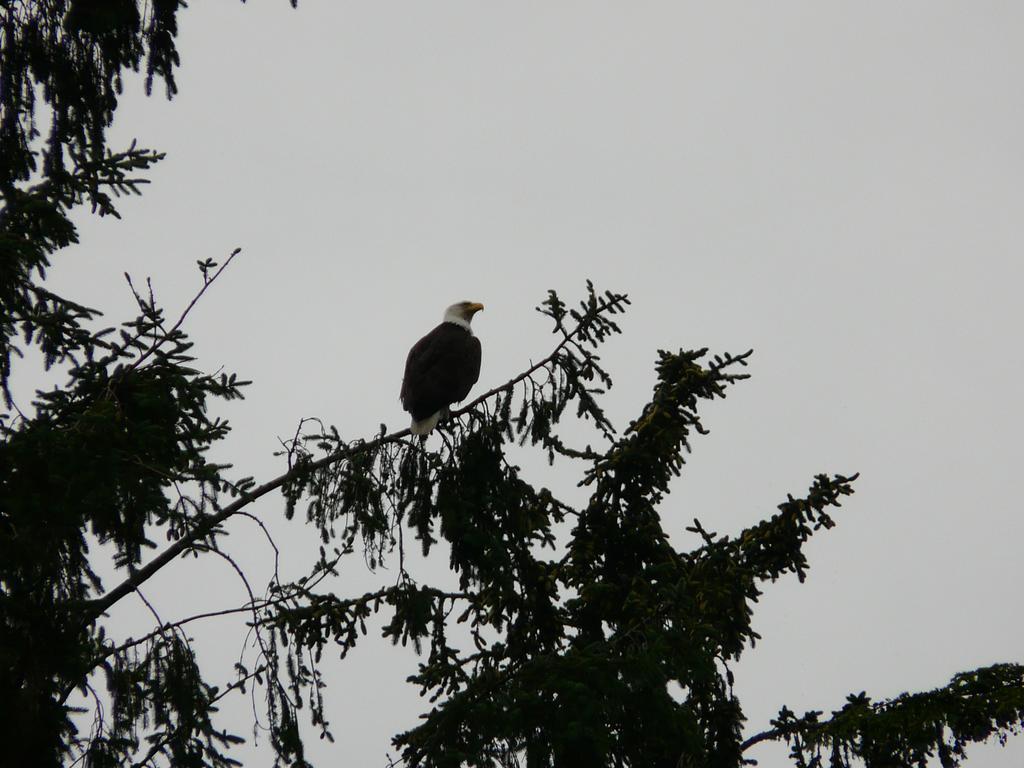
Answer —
475 307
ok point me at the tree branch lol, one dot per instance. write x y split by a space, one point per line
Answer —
207 282
93 609
771 735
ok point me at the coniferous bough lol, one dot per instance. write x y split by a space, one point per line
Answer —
572 645
567 626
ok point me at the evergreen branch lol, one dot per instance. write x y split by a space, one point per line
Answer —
581 327
93 609
88 175
910 728
205 526
770 735
162 742
207 282
131 643
303 587
42 294
251 607
162 629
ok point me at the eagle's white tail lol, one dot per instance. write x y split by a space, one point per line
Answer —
426 426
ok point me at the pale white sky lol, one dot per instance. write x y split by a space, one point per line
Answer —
838 186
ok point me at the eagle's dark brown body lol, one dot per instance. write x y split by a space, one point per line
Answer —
441 369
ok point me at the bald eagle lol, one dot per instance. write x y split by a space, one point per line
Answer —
441 368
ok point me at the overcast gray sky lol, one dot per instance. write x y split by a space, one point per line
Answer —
838 186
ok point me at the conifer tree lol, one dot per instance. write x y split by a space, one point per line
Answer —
576 635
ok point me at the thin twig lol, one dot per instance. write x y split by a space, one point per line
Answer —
207 282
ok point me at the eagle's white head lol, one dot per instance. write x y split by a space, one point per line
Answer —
462 313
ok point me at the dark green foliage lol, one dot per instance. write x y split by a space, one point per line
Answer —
911 728
563 651
115 454
34 224
165 687
74 54
573 637
106 458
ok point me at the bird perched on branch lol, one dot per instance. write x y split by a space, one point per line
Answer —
441 368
